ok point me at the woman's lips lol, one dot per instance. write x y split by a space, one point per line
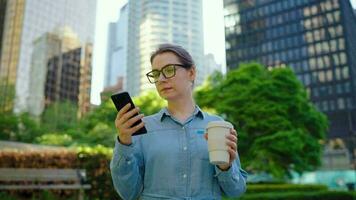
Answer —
165 89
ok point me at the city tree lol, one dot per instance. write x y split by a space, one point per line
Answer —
280 130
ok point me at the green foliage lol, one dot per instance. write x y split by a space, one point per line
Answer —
7 95
57 139
18 127
321 195
60 116
149 102
260 188
279 129
95 160
8 126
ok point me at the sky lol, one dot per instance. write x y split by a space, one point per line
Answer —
108 11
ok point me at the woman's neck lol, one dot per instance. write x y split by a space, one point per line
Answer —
181 109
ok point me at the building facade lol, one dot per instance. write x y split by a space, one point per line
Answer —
151 23
210 64
24 22
116 54
314 37
68 78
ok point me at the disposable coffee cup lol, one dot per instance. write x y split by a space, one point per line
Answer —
217 132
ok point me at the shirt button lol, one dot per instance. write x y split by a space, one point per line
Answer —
184 176
184 148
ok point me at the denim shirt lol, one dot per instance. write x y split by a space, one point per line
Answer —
171 161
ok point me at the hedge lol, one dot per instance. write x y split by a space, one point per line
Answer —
95 160
321 195
259 188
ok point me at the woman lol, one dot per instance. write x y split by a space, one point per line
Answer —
171 161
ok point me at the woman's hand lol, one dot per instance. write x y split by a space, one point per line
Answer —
124 121
231 141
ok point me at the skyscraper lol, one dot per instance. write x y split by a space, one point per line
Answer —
2 20
151 23
20 32
314 37
10 51
210 64
68 78
50 45
116 55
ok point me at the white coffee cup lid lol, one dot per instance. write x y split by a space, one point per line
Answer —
224 124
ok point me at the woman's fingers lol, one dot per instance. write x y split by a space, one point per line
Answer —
131 121
126 116
232 153
137 127
232 145
123 110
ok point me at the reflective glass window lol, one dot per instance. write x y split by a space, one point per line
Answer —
345 72
343 59
341 103
329 75
337 74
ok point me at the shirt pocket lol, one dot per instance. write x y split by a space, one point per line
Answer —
200 145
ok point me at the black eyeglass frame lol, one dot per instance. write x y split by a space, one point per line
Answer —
161 72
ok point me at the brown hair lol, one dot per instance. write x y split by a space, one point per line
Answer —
184 57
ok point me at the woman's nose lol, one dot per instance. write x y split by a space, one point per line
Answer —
161 77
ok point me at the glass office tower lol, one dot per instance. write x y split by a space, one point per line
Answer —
22 23
313 37
151 23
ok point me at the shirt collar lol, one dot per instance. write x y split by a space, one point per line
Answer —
197 112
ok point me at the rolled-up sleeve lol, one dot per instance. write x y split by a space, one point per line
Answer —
127 170
232 181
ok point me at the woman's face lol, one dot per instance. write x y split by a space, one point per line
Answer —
177 86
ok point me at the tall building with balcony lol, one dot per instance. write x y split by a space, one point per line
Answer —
151 23
24 22
314 37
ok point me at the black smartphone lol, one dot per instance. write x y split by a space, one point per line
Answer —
120 100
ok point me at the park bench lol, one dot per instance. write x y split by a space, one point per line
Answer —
43 179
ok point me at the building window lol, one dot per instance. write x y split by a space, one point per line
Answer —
332 31
341 44
319 62
339 30
312 63
321 76
330 18
337 74
325 46
332 105
329 75
326 61
311 50
333 45
345 72
341 103
343 59
336 59
337 15
318 48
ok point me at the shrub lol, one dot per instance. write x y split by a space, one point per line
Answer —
320 195
94 160
258 188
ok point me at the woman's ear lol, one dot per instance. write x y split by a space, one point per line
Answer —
192 73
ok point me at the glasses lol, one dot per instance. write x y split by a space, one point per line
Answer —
168 71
